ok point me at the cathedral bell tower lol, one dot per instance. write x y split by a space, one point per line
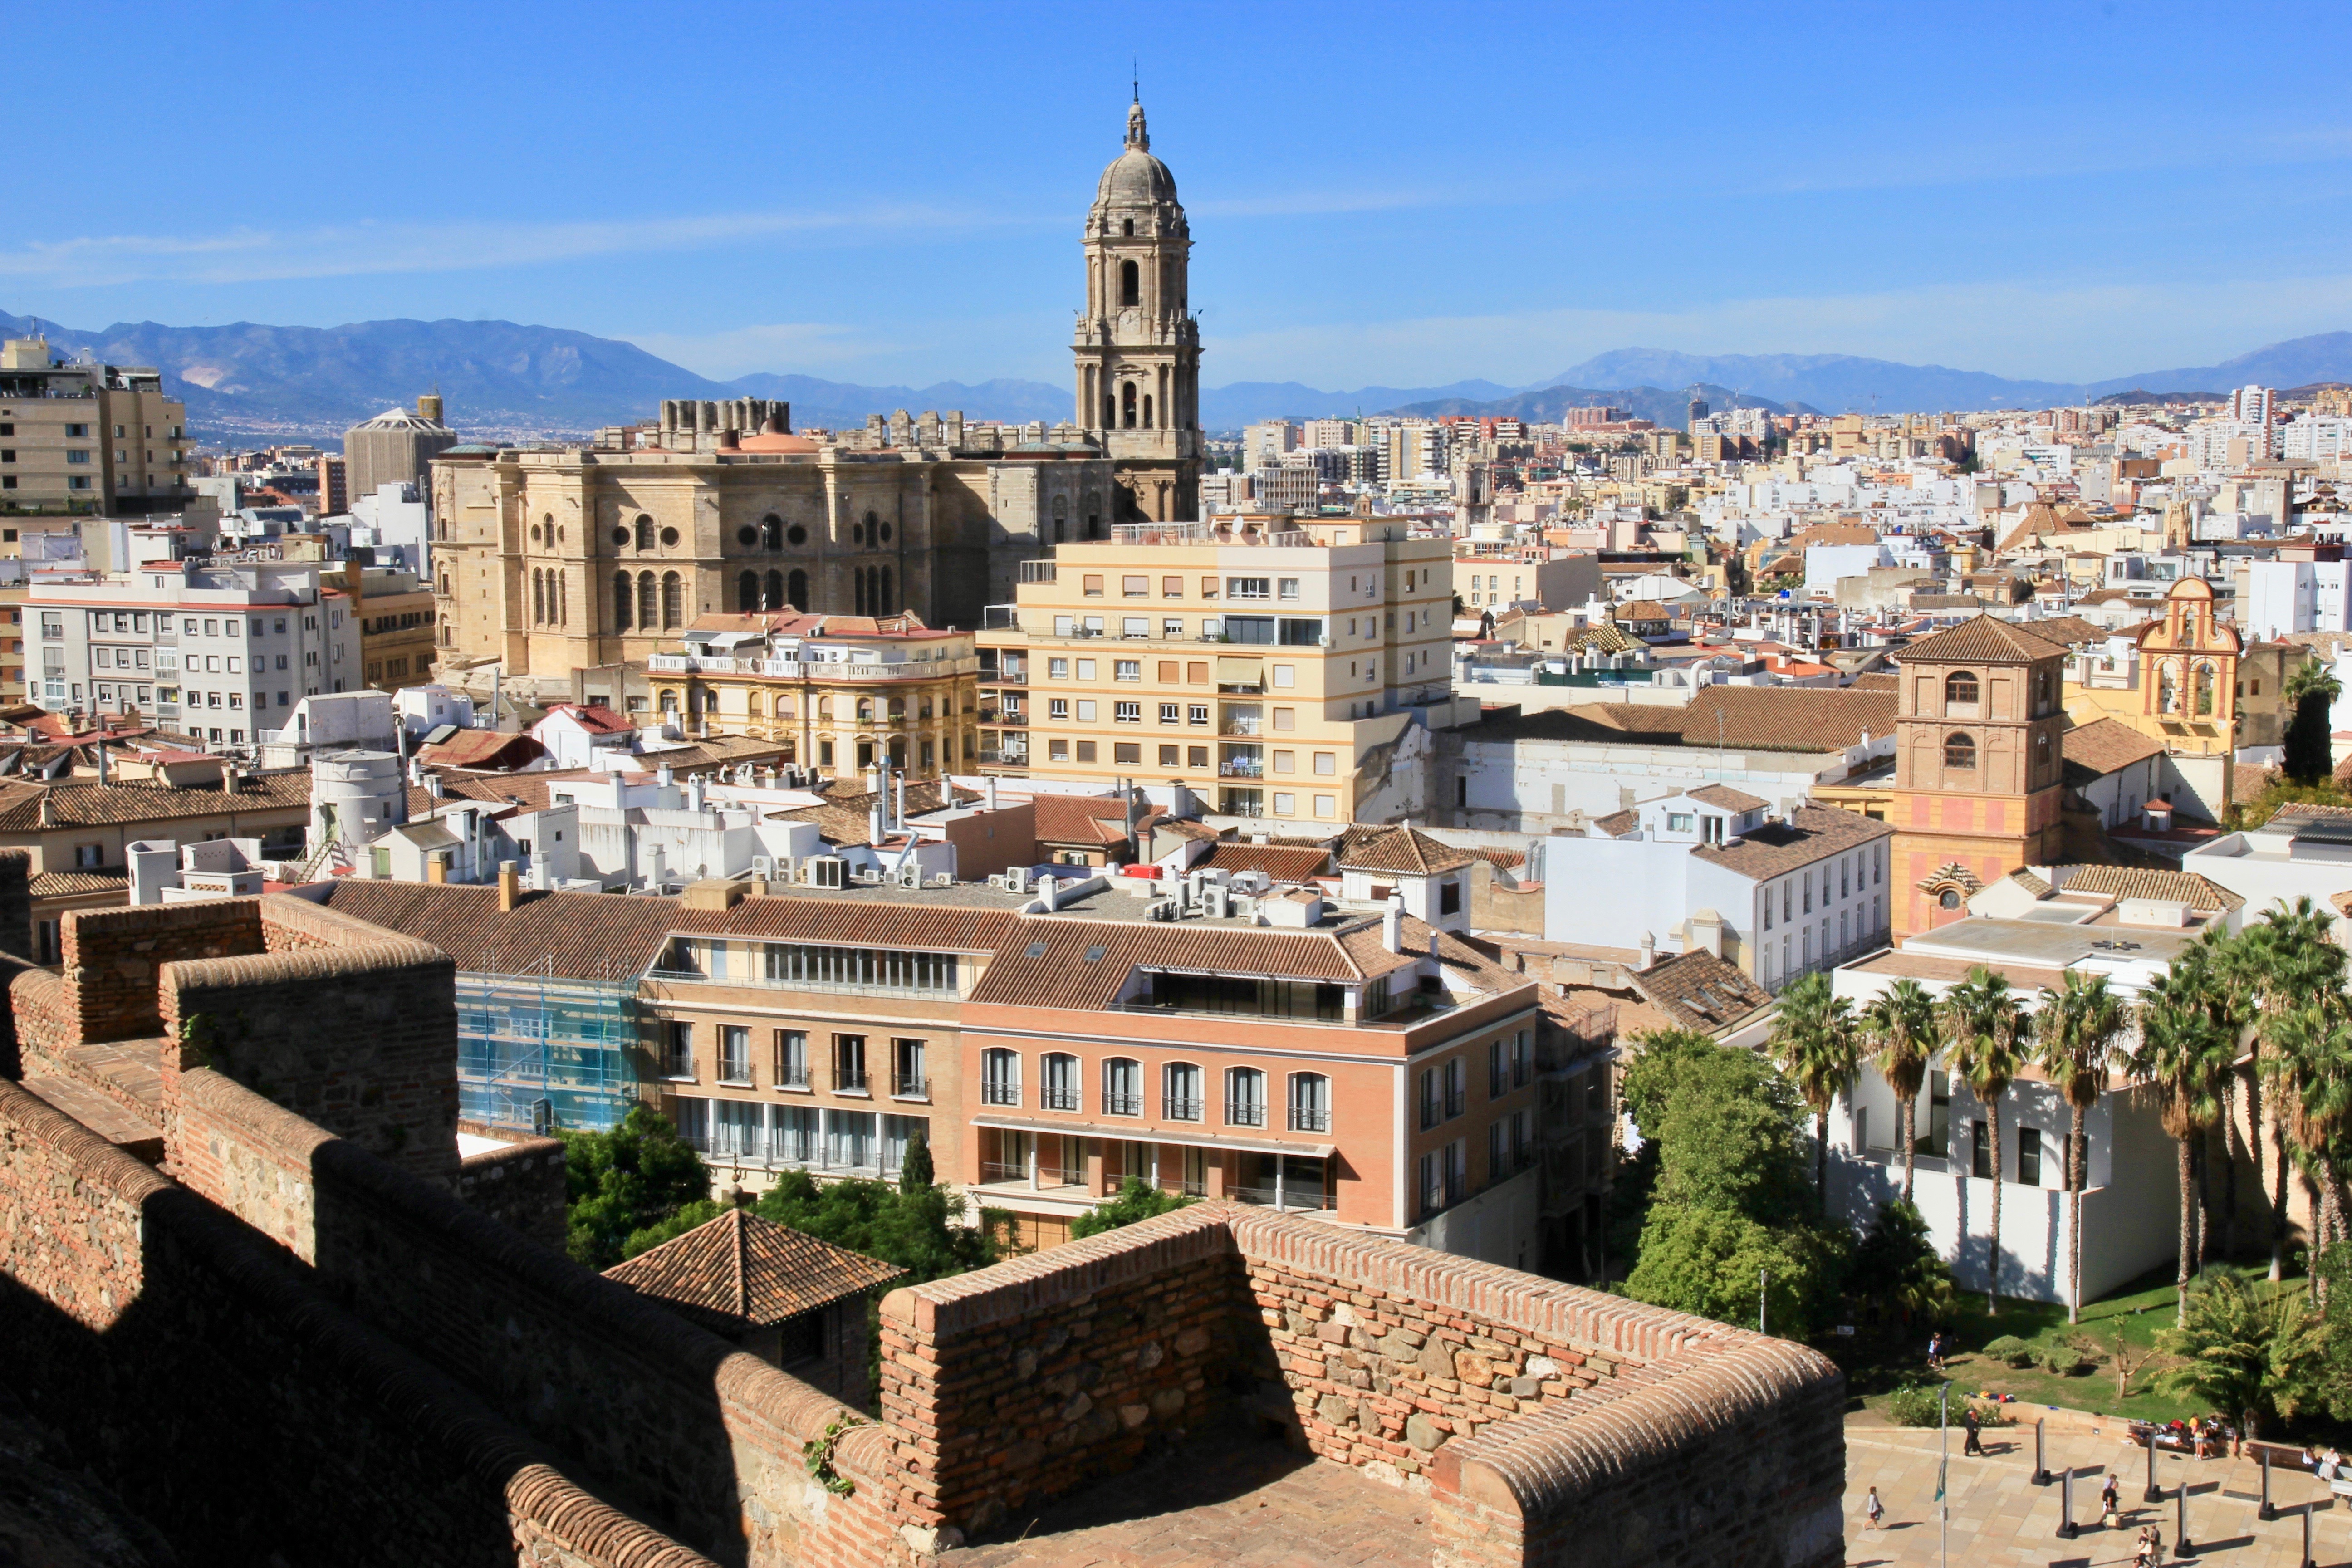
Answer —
1138 346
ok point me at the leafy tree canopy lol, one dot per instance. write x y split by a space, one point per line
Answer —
1708 1260
921 1231
619 1182
1138 1199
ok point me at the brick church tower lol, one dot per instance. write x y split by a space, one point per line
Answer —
1979 766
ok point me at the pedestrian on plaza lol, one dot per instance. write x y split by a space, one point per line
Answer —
1875 1510
1975 1445
1936 1351
2108 1494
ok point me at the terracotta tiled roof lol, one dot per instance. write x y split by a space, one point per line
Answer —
1727 798
481 749
89 804
2104 745
1403 850
593 717
846 818
2029 881
78 884
2143 882
1073 818
1283 863
2070 630
1812 832
1617 824
741 1272
1700 991
1982 640
606 936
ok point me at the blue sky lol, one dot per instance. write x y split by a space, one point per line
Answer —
1405 194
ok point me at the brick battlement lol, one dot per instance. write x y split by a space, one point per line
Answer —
1540 1419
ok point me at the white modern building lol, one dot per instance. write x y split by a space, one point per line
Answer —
220 653
1777 896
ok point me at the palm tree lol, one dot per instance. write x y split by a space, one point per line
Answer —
1982 1021
1902 1024
1818 1046
2186 1058
2290 960
2311 691
2077 1030
2310 1075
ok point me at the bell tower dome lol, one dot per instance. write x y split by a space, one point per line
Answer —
1138 347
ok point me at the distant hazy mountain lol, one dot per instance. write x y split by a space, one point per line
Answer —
501 379
1837 383
1247 402
1665 406
2297 362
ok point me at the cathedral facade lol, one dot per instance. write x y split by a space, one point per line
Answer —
556 559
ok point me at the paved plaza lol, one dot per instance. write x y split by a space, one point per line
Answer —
1999 1516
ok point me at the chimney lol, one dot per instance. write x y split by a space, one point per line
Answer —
436 871
509 888
1649 950
991 792
433 787
664 777
1392 923
697 792
902 801
1050 891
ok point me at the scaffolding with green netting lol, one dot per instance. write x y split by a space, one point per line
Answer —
539 1050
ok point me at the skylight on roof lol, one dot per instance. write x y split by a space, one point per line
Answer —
1036 950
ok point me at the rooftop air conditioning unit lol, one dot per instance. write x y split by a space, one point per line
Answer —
824 871
943 880
762 867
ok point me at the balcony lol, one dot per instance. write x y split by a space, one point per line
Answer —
1116 1104
1175 1109
1058 1098
849 1080
1241 727
791 1078
1245 1113
1000 1094
1240 768
992 1172
1284 1198
910 1086
1309 1119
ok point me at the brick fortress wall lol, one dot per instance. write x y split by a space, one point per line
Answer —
519 1185
1542 1420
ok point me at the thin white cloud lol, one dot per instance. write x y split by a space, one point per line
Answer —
806 348
250 255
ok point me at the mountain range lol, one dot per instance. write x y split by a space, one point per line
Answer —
249 381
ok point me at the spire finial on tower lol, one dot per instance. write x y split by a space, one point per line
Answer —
1137 137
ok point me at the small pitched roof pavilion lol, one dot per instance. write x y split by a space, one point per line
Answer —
740 1273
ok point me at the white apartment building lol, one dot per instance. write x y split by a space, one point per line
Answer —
219 653
1263 442
2282 596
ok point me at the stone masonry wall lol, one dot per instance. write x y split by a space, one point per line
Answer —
346 1025
252 1419
522 1186
1545 1424
1020 1382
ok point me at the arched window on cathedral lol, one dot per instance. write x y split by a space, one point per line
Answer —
648 607
771 532
888 603
1127 406
796 590
538 597
673 600
624 598
747 593
1130 283
1146 411
774 598
2204 691
1959 687
645 533
1960 751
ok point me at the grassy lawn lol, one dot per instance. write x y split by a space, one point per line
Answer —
1878 1361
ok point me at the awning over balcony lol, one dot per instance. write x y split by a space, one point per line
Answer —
1131 1133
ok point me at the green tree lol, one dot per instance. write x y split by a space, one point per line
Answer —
2244 1350
2077 1030
619 1182
1896 1267
915 1170
1901 1024
2288 960
2186 1058
1982 1022
1698 1258
2312 691
1138 1199
1816 1043
922 1231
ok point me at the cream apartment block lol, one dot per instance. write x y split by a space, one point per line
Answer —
86 438
1273 665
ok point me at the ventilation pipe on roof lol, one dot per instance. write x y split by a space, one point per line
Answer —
991 792
876 827
1392 923
664 776
697 792
1049 893
902 801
